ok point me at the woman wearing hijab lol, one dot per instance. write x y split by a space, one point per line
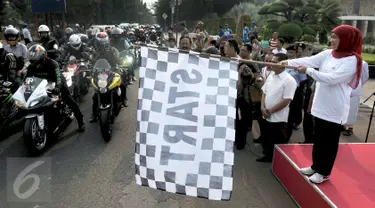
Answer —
339 73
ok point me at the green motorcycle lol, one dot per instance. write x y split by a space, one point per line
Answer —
8 109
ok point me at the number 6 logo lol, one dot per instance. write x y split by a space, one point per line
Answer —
23 177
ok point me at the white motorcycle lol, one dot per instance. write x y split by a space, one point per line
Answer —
46 114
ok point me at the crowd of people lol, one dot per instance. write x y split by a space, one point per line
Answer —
319 91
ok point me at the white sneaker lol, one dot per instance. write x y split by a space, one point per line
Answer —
318 178
307 171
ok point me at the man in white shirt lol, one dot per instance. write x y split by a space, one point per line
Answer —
279 48
26 35
278 91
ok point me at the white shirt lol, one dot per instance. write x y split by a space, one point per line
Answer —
19 50
276 51
265 72
278 87
332 93
364 77
26 34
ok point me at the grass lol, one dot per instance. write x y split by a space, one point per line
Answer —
368 56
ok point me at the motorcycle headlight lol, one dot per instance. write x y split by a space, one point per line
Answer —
129 59
102 83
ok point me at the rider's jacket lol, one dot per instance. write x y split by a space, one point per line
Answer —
112 56
49 70
52 48
70 51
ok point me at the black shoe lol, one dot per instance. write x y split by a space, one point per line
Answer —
93 119
81 127
240 147
264 159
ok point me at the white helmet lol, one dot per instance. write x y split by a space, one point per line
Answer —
43 28
75 41
153 31
10 26
77 25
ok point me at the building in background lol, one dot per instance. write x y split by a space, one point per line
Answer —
360 14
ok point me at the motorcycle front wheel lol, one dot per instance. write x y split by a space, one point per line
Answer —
105 124
35 140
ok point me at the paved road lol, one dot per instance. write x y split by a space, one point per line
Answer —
88 173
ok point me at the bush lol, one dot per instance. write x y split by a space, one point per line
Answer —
309 38
369 40
290 32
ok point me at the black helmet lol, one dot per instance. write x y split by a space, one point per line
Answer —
37 53
102 42
11 35
84 38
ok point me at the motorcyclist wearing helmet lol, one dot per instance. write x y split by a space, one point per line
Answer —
16 56
43 67
153 37
68 32
141 36
74 48
118 41
49 43
106 51
77 29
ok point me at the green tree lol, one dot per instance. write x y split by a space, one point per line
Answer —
311 16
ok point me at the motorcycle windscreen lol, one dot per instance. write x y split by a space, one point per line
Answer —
101 65
29 86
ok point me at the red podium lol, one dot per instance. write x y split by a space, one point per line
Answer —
352 182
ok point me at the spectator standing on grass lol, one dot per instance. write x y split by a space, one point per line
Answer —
339 73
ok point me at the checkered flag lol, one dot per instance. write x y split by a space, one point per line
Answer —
185 123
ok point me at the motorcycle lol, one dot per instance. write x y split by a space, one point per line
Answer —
107 86
8 109
46 115
76 74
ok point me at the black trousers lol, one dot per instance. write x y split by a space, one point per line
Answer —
67 97
243 124
275 134
308 127
295 111
326 144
